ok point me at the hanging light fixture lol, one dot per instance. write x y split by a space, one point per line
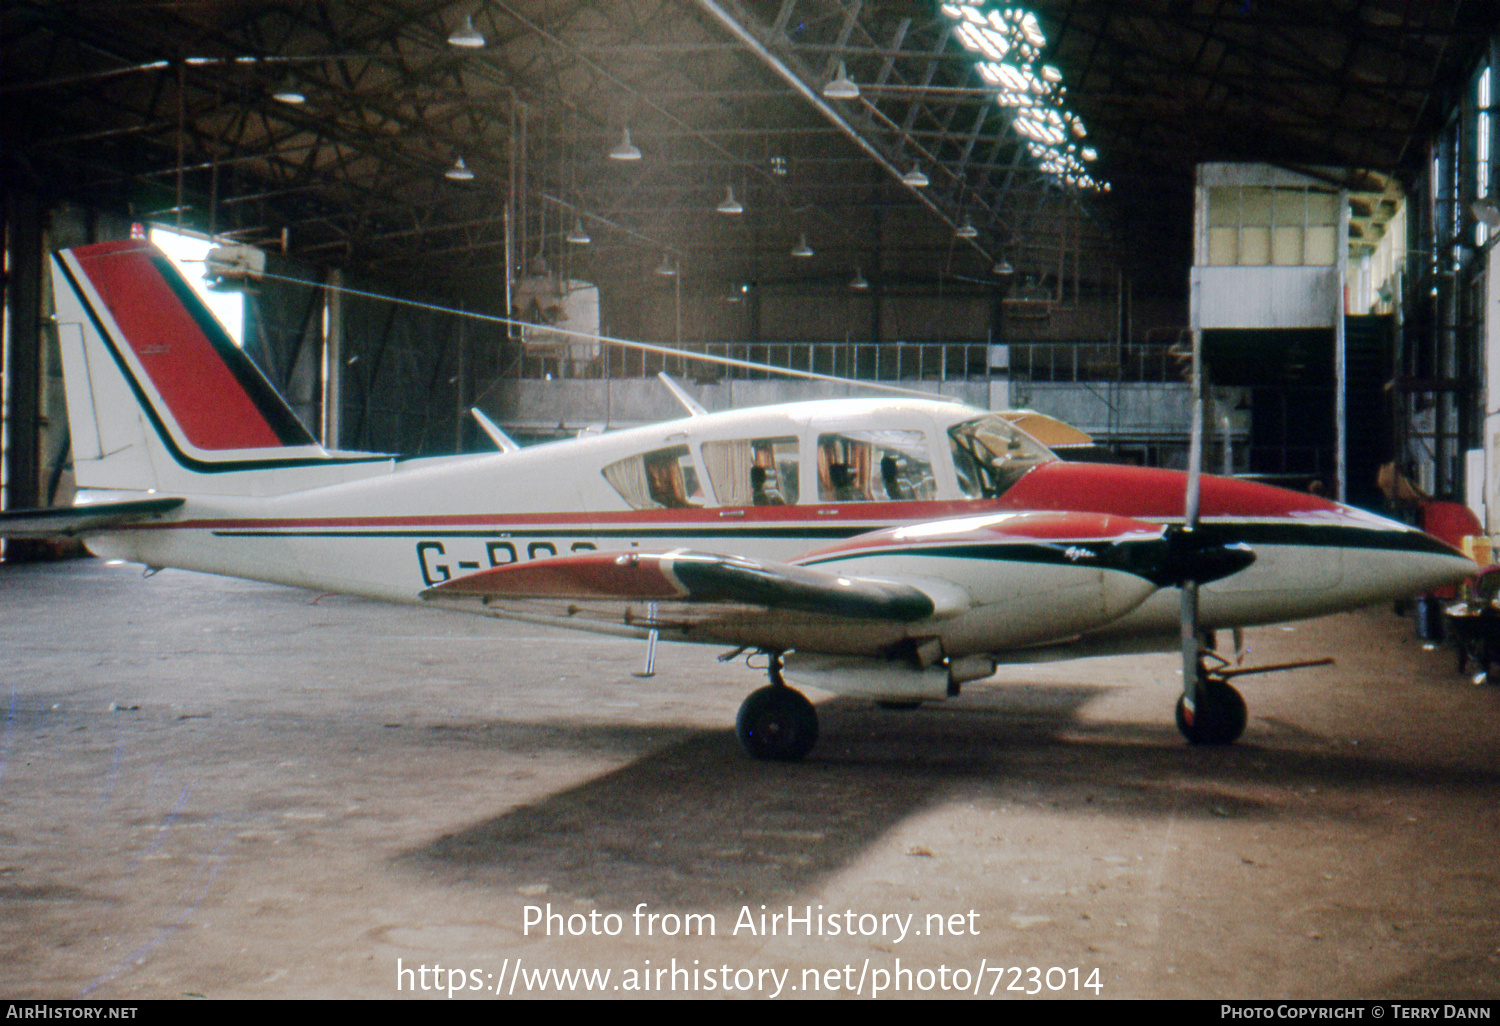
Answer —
287 92
467 37
966 230
841 86
730 204
459 172
578 236
915 178
860 283
802 250
1003 268
666 268
626 150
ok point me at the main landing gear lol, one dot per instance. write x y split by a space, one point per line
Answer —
777 723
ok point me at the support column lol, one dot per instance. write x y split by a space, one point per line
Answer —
333 357
21 365
1341 355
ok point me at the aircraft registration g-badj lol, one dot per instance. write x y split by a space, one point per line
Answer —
891 548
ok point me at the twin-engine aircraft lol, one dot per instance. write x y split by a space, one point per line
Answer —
889 548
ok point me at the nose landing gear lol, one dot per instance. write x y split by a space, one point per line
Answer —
1216 714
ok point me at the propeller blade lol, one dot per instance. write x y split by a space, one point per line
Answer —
1192 655
1194 468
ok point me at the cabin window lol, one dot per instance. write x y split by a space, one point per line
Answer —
990 455
753 471
662 479
874 466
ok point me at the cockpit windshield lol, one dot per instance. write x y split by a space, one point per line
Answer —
990 455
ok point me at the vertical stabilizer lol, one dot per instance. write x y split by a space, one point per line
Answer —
159 396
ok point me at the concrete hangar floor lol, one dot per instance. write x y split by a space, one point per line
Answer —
219 788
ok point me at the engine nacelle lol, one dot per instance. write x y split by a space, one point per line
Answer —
883 680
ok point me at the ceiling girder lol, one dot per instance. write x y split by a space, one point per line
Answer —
92 109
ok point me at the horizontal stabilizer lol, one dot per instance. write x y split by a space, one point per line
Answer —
70 521
698 578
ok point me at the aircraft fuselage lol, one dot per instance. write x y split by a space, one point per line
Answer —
379 536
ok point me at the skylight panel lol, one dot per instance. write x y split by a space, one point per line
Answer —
1009 42
1014 78
982 40
1482 152
1033 30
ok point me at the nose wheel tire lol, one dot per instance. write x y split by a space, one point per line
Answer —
1219 715
777 723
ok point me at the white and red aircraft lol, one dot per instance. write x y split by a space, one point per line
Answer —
891 548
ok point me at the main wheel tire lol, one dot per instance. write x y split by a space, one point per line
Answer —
1219 717
777 723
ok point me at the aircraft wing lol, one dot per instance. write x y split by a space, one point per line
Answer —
703 595
70 521
987 583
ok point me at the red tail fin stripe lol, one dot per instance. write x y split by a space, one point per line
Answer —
207 401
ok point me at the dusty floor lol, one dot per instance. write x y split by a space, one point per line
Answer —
217 788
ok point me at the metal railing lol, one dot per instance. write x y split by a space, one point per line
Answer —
869 361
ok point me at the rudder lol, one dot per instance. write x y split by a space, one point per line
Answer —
158 394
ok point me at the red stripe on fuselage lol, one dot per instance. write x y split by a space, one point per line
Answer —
202 393
1074 489
863 515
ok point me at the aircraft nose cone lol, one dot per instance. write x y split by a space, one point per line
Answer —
1387 560
1441 570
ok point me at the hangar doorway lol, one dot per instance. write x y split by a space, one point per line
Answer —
1292 382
